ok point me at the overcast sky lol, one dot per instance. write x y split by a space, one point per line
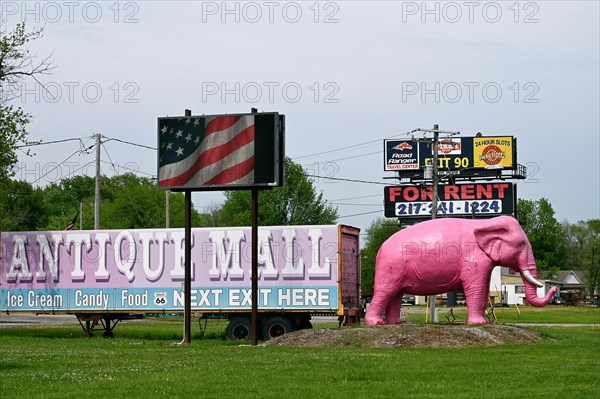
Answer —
347 74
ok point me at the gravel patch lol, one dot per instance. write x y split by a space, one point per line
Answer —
408 335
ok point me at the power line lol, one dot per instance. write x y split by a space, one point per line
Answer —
128 168
359 214
132 143
56 167
362 196
48 142
350 157
77 170
352 204
343 148
108 155
346 180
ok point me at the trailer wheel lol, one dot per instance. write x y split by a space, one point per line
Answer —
306 325
239 328
277 326
108 334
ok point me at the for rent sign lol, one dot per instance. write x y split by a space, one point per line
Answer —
141 270
479 199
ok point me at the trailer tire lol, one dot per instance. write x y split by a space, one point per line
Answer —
239 329
277 326
306 325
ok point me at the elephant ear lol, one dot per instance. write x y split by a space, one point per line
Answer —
489 236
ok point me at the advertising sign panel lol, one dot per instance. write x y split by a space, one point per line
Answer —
143 270
479 199
401 155
221 152
489 152
454 154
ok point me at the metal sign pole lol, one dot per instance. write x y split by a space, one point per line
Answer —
254 314
434 204
254 266
187 282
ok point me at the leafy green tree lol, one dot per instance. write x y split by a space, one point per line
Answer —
380 230
127 201
22 207
12 133
137 202
211 215
297 203
64 198
546 235
584 250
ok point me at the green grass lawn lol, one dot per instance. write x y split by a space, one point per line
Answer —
554 314
141 362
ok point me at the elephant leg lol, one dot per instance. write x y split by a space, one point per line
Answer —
374 315
477 289
392 311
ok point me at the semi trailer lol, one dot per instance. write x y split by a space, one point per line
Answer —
106 276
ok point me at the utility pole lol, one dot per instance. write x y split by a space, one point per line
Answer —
434 202
97 191
434 150
434 195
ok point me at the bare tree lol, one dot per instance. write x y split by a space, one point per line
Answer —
17 62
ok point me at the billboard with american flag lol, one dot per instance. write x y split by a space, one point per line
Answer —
221 152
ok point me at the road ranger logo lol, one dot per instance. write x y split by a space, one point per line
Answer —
403 146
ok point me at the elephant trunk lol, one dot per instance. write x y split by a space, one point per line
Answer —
531 293
529 275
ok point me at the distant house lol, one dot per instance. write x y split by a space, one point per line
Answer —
507 287
571 286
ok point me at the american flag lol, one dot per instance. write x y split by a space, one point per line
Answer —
71 224
206 151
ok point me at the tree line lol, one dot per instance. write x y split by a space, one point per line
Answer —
133 202
556 246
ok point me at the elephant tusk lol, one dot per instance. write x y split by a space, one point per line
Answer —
527 276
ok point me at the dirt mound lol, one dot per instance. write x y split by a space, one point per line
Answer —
408 335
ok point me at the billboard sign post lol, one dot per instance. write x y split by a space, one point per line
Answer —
221 152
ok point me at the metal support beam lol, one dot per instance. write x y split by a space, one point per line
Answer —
187 282
254 266
434 202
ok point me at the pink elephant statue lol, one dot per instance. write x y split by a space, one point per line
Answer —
445 255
